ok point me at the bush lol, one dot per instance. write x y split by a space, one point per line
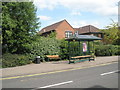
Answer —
74 49
44 46
117 49
12 60
107 50
63 49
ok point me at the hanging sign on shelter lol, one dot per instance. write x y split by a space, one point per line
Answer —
84 47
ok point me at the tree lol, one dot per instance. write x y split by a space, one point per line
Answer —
111 34
19 24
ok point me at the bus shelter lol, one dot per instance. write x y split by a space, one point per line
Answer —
81 48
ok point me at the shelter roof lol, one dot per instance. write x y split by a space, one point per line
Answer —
83 38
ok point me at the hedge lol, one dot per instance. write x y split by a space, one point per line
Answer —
51 46
63 49
44 46
107 50
12 60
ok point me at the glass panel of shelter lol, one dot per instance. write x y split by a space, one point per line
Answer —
76 48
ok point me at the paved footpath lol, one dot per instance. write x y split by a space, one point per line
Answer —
54 66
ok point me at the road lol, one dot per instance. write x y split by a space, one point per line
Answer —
94 77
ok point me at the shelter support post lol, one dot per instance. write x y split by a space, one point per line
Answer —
93 48
79 48
69 51
88 47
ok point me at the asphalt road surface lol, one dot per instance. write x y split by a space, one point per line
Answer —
94 77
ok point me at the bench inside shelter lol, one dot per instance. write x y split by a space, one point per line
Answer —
81 58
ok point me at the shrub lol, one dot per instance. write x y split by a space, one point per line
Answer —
63 49
12 60
44 46
106 50
117 49
73 49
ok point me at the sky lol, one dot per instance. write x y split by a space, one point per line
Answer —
78 13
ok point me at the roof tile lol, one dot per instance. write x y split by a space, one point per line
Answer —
51 27
87 29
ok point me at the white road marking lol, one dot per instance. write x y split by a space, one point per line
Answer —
109 72
56 84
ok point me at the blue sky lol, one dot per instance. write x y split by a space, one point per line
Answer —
77 12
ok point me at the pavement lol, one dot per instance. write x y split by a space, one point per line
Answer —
54 66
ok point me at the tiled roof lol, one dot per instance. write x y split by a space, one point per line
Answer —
87 29
51 27
76 29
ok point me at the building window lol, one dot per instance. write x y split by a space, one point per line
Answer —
68 34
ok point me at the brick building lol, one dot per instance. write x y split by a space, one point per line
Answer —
64 30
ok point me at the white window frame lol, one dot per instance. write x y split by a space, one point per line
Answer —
68 34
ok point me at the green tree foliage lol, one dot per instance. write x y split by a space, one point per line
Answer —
52 35
111 34
19 24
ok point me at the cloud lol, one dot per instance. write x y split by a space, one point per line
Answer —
102 7
44 18
78 24
42 4
75 13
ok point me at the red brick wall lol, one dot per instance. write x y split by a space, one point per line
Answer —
64 26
